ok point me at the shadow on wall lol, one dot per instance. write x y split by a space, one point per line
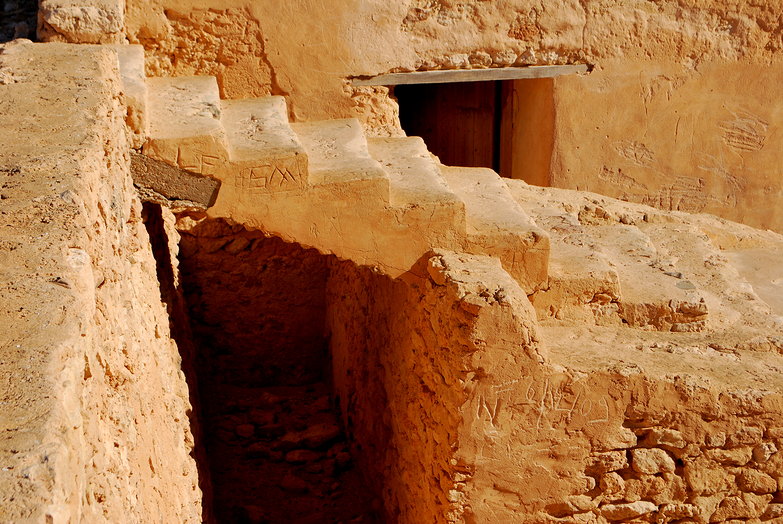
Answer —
274 444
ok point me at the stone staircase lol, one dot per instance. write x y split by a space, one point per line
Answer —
381 202
386 202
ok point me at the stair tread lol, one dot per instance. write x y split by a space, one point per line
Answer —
182 107
414 174
489 205
258 128
337 152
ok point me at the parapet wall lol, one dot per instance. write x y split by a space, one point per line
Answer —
95 412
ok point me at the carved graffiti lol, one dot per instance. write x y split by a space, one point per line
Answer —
636 152
553 405
744 132
280 176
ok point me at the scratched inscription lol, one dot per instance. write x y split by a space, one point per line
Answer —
553 405
280 176
744 131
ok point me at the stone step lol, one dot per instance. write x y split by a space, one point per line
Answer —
653 296
265 153
337 154
134 87
583 286
498 226
594 251
414 174
184 123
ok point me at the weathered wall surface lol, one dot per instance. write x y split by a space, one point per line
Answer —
407 355
95 409
701 139
305 48
256 304
459 414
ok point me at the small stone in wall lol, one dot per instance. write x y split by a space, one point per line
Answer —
617 439
664 437
605 462
745 437
245 430
612 486
651 461
633 510
730 457
764 451
504 58
480 59
300 456
716 440
455 61
756 482
774 511
748 506
679 511
294 484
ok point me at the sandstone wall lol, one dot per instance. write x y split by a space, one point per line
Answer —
95 407
407 356
459 414
256 304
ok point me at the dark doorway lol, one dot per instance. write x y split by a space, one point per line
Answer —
460 122
504 125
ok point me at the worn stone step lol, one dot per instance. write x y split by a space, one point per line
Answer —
498 226
184 123
337 154
265 153
414 174
134 87
583 286
654 294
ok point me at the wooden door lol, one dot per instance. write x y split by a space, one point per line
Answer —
458 122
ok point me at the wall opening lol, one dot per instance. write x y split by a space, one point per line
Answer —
275 447
504 125
18 20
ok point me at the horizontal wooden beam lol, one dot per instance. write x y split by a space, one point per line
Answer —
471 75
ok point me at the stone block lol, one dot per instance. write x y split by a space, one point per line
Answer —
651 461
173 183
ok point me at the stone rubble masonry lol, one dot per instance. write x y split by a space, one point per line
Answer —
82 21
94 420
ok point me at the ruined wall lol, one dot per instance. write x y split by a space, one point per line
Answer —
256 304
460 415
95 420
407 355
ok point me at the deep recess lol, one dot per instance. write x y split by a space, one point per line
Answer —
274 447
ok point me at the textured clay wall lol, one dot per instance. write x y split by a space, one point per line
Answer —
94 420
700 138
458 414
408 355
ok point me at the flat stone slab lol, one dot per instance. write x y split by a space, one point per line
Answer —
171 182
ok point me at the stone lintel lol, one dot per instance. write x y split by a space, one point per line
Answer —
471 75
